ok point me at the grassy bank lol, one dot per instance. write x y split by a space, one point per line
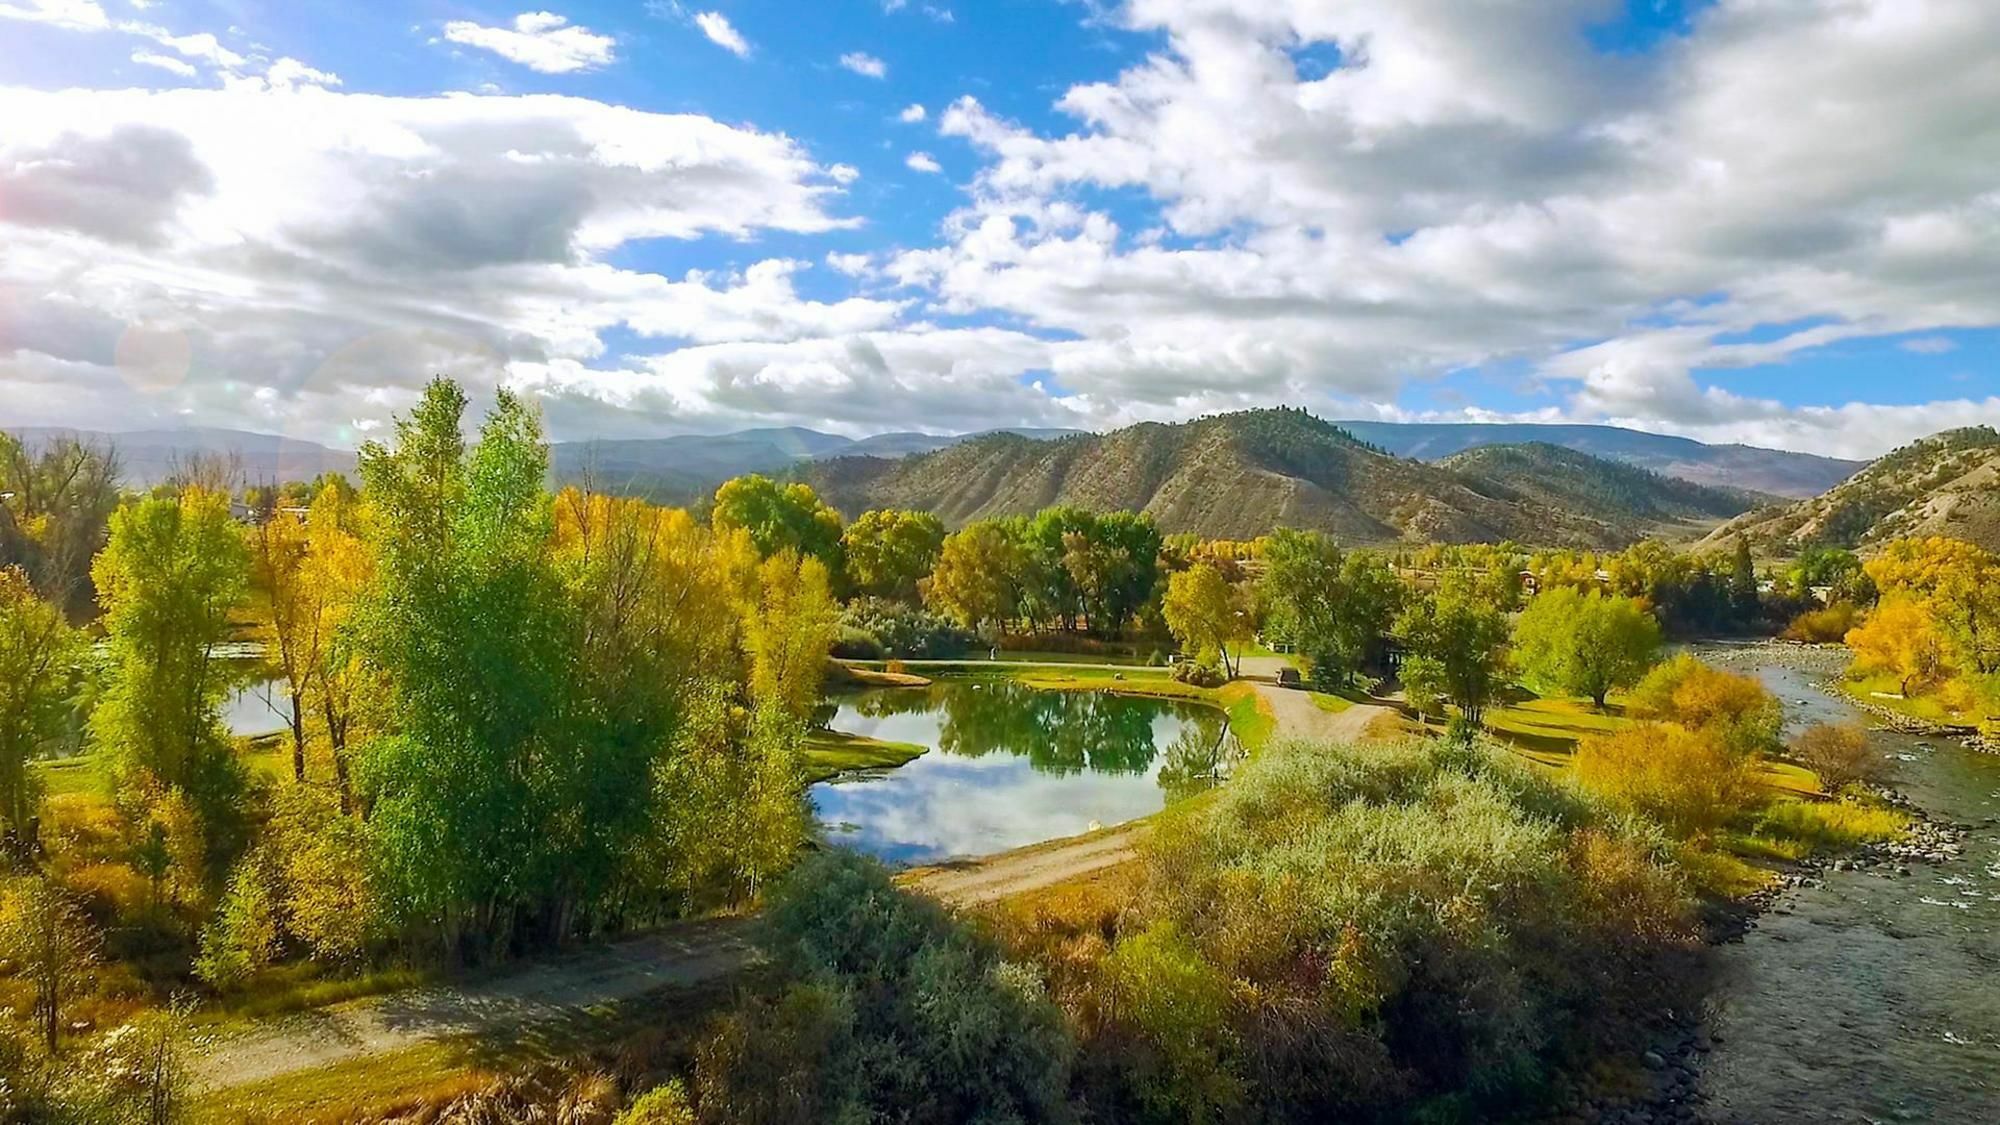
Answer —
830 753
1248 719
1885 691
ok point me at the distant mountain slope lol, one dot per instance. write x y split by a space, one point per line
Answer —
1239 475
148 457
1618 494
1723 466
1945 484
686 468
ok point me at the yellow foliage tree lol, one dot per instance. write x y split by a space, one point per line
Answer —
1958 585
788 632
1900 639
1204 613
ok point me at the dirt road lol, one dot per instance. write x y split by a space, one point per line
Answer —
547 990
1298 716
1030 868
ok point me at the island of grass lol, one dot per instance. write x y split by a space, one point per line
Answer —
830 753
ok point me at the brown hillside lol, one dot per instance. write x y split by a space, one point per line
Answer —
1230 476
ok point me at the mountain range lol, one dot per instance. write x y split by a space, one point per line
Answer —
684 468
1239 475
1774 471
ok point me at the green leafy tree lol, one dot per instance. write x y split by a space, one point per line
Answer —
40 659
1113 564
1576 643
780 517
889 551
174 571
1205 615
506 791
1467 636
1424 683
1743 599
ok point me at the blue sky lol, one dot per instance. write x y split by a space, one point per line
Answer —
1731 220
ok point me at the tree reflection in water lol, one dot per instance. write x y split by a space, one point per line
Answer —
1061 732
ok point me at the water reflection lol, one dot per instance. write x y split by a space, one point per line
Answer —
256 706
1012 765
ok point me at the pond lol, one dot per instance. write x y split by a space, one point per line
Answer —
1009 765
256 706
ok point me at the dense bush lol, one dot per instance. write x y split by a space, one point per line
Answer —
892 1011
1840 755
1199 674
1689 780
1419 929
899 630
1698 696
1822 626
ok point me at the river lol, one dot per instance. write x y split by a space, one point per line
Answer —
1872 997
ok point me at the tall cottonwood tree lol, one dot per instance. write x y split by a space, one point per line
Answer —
174 571
1571 641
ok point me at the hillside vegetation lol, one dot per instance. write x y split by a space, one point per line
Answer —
1237 476
1776 471
1620 495
1942 485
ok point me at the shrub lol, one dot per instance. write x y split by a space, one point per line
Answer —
1415 932
1692 781
900 630
1199 674
891 1010
856 644
1686 691
1822 626
242 939
661 1105
1840 755
1180 1007
1831 824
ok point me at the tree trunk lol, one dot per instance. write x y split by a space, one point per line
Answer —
298 740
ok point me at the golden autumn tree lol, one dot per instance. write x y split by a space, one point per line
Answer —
1900 639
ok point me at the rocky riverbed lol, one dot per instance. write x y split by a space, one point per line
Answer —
1857 989
1868 991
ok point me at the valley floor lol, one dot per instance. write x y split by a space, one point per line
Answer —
341 1036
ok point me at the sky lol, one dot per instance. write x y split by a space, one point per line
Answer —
1767 221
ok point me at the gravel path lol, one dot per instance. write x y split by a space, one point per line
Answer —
546 990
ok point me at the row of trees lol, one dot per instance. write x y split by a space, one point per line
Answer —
512 717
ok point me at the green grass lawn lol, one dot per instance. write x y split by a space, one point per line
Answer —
83 774
1883 691
832 752
1333 704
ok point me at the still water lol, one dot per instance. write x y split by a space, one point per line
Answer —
1009 765
256 706
1872 998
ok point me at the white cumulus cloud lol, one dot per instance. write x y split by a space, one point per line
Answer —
922 162
541 41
